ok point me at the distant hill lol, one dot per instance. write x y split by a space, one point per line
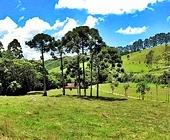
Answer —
52 65
136 61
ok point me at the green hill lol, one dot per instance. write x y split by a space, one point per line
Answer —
52 65
136 61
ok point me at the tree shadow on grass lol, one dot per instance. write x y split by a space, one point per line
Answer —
35 93
101 98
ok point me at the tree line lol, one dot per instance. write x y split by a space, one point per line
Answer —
158 39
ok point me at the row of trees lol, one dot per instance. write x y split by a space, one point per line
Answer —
158 39
88 46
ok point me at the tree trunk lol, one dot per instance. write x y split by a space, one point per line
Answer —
62 73
79 83
91 76
97 93
143 96
44 73
157 92
84 74
126 93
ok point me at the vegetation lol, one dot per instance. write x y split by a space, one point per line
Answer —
58 117
82 58
42 42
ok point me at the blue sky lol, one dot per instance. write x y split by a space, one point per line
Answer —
119 22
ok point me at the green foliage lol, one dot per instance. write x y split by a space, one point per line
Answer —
113 85
15 49
20 76
14 87
149 58
142 87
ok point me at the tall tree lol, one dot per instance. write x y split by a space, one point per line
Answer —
100 65
95 46
73 45
83 33
42 42
58 48
15 49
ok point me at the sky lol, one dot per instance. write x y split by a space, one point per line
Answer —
120 22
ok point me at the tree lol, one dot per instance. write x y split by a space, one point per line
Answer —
15 49
95 46
73 45
149 58
146 43
59 49
80 40
126 87
99 65
42 42
113 85
153 41
142 88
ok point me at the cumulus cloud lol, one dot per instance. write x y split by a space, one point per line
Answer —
132 30
91 21
9 30
105 7
71 23
4 25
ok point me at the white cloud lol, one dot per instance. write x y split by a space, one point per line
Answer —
9 30
91 21
59 24
68 26
4 25
105 7
71 23
168 19
132 30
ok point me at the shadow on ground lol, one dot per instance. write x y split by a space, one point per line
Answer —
35 93
92 98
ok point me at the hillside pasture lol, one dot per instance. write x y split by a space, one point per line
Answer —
72 117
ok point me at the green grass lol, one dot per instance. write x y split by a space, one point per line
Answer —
70 117
51 64
150 96
136 62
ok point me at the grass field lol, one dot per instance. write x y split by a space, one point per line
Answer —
70 117
136 61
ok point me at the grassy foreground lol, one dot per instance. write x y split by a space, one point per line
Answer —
70 117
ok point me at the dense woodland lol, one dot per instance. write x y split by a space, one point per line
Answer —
91 62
